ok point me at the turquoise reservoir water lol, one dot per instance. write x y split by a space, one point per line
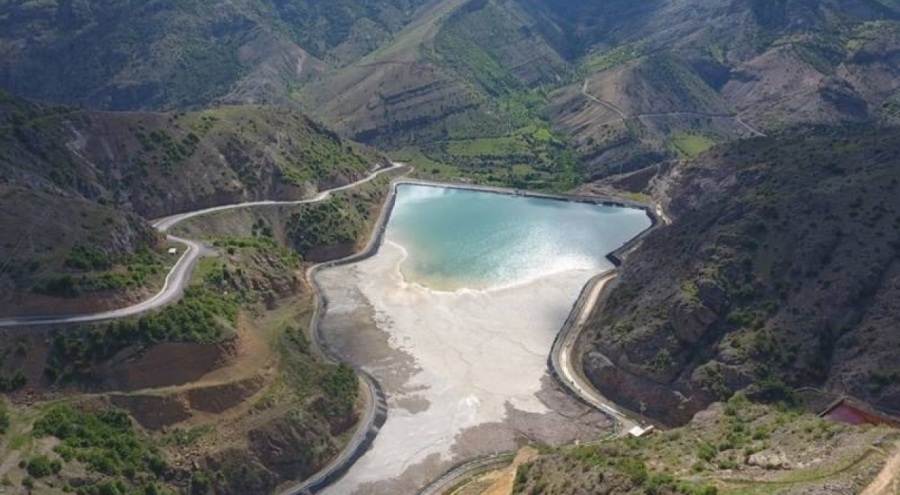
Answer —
456 238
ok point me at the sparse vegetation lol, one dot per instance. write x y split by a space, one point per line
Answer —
263 243
766 287
201 316
330 223
183 437
106 444
610 59
688 144
92 270
725 450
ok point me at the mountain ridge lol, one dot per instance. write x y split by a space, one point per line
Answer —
764 256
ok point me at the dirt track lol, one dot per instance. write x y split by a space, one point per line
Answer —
888 480
507 477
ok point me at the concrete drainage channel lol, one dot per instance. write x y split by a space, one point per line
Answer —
467 470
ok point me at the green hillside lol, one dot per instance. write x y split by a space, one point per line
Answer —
84 183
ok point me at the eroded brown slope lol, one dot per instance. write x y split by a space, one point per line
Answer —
780 271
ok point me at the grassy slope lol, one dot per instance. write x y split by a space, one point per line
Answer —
446 88
509 142
737 448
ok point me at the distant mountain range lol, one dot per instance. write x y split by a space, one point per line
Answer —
622 83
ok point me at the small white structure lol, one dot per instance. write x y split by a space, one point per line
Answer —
638 432
173 251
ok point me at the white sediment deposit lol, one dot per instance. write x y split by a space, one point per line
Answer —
465 370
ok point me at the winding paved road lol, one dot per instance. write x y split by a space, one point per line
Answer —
179 276
375 411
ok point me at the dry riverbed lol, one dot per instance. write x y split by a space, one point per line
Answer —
465 371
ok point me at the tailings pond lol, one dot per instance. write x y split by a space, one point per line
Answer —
456 314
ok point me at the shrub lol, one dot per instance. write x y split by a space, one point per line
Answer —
4 420
200 483
105 442
706 452
58 286
341 388
87 258
42 466
772 389
11 384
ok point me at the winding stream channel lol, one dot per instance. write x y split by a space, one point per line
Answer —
455 316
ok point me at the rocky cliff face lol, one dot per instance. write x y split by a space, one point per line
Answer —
778 272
